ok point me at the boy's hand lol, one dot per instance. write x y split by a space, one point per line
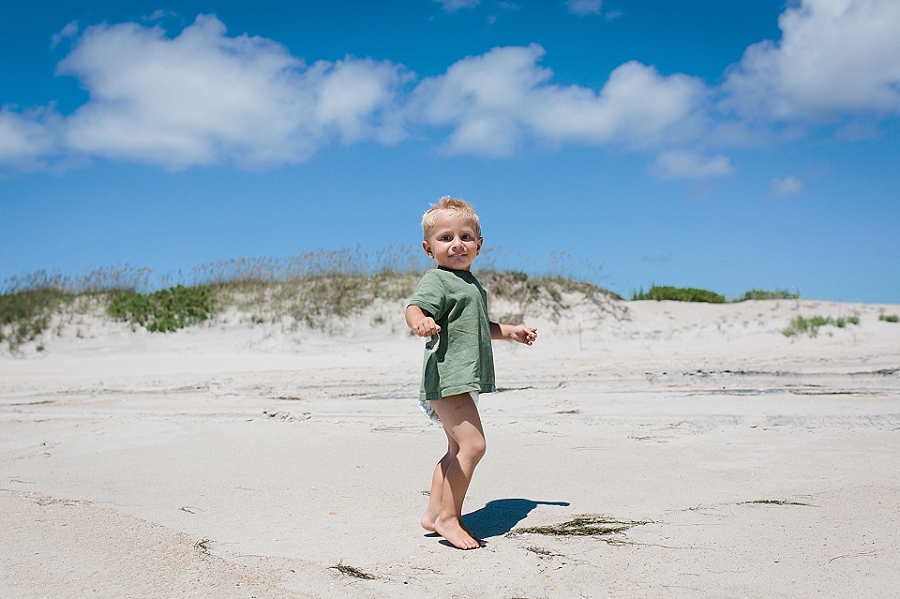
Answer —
426 327
421 322
523 334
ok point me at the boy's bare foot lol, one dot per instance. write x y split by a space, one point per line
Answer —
428 524
456 534
428 521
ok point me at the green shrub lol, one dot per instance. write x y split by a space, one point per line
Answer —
762 294
810 326
165 310
679 294
889 318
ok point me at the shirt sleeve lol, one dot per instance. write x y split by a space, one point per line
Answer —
430 295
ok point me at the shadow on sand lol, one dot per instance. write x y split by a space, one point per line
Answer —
500 516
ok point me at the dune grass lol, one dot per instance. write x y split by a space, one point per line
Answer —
548 292
810 326
29 303
679 294
25 314
313 289
889 318
690 294
762 294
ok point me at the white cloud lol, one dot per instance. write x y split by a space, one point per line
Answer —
787 186
203 97
70 30
584 7
451 5
677 164
26 138
835 58
613 14
492 100
637 107
159 14
856 130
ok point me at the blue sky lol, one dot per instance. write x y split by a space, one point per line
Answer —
724 145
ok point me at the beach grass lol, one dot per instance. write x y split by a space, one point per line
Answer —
762 294
29 303
690 294
312 289
810 326
678 294
25 314
889 318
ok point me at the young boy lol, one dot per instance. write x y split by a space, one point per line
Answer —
451 304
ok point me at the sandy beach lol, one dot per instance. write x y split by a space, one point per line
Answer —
237 460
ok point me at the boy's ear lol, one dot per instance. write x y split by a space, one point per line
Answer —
478 247
427 249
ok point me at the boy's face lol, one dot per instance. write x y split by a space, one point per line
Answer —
452 243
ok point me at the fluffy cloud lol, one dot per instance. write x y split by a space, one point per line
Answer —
584 7
70 30
158 14
835 58
788 186
203 97
676 164
492 100
25 139
451 5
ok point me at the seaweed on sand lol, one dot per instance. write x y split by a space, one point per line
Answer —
773 502
582 525
351 571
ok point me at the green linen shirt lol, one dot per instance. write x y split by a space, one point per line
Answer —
464 360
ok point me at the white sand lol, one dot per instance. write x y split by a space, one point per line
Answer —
235 461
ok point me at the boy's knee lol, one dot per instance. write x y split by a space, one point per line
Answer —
477 448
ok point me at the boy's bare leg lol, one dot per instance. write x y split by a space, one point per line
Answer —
462 424
437 486
437 491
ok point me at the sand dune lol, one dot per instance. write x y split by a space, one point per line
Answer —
247 460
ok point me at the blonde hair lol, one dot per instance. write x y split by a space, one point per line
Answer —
448 204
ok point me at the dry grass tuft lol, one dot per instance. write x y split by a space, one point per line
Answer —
546 294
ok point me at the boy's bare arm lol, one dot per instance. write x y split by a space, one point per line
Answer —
421 322
520 332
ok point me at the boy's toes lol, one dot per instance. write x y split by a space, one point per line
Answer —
456 536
